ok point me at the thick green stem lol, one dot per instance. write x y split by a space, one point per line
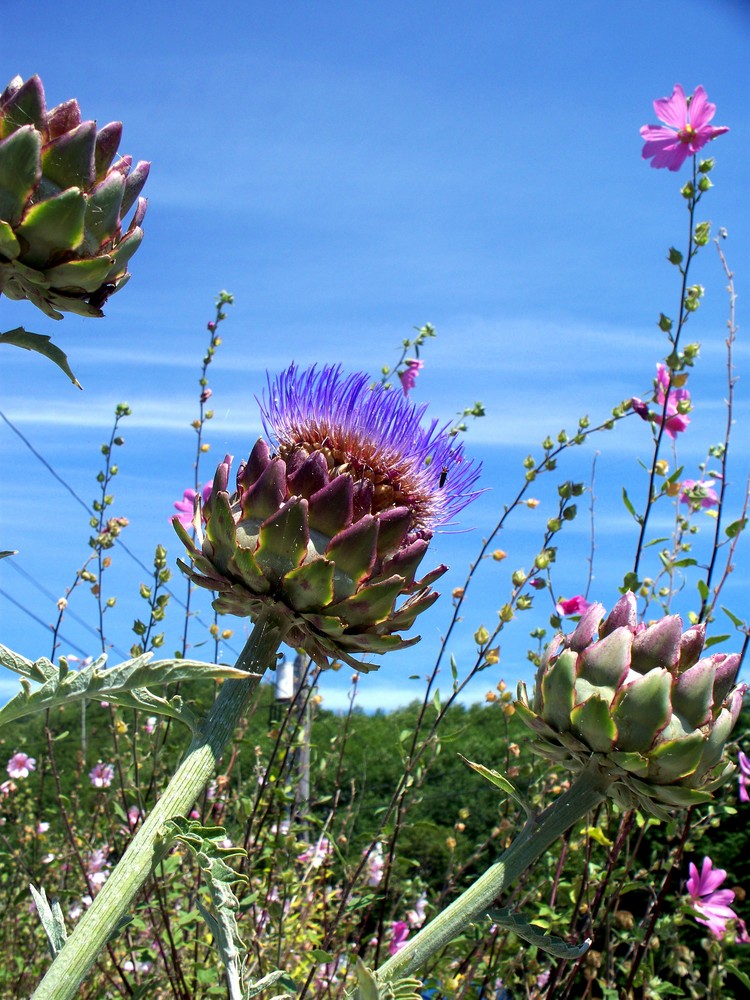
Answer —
114 901
586 792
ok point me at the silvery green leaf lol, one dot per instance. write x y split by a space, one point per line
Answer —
40 671
369 988
126 684
203 841
536 936
144 699
402 989
266 982
367 983
52 919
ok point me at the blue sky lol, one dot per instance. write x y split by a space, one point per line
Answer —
349 171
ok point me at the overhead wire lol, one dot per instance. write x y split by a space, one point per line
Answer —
118 540
40 621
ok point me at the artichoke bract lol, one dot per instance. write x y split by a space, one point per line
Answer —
63 199
331 527
641 698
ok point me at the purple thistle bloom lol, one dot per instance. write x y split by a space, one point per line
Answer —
375 431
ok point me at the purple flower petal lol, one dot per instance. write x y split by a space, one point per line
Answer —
685 130
375 430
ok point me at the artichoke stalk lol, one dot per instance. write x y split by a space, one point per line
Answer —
63 201
379 473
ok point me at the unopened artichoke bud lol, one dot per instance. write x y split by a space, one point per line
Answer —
63 201
330 527
643 700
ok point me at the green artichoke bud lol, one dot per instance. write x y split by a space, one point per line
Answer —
63 200
330 529
643 700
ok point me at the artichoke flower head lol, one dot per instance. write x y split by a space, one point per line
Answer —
63 199
643 700
329 527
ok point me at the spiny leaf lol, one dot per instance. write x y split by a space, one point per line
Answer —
210 855
124 684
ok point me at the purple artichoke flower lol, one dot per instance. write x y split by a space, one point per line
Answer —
643 700
330 527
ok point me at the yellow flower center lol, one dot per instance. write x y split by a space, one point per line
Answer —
686 134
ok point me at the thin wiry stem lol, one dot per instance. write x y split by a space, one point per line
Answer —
681 320
707 606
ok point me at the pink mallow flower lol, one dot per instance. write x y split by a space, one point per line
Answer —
708 900
399 934
409 375
98 867
699 493
685 130
21 765
743 777
186 506
316 855
375 864
572 606
676 421
101 775
77 908
416 917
